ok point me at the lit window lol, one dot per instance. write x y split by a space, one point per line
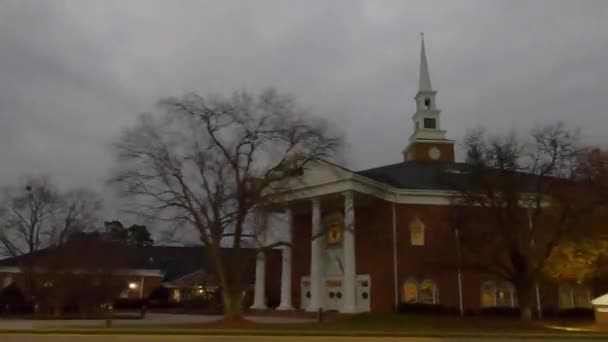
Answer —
417 232
177 295
334 225
502 295
488 294
574 296
410 291
505 295
427 292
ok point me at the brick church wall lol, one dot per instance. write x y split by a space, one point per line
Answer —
374 246
436 260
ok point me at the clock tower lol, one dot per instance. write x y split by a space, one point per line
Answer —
428 142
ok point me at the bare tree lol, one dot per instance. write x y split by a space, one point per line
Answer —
78 210
36 215
520 199
593 169
209 163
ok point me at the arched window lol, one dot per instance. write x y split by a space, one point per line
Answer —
488 294
427 292
410 291
582 296
505 295
417 232
427 103
501 295
574 296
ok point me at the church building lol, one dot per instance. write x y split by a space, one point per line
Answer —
369 240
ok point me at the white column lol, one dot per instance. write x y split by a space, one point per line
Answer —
539 307
349 282
459 273
259 294
395 265
316 276
286 265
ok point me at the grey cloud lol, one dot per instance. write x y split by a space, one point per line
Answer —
74 73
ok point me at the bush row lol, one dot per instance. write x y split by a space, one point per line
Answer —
437 309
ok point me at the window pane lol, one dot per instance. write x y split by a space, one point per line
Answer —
488 295
409 292
417 236
429 123
417 232
427 291
581 297
565 297
505 296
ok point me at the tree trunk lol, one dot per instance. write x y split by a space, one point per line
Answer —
525 299
525 313
233 304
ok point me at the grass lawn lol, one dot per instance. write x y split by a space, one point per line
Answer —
373 324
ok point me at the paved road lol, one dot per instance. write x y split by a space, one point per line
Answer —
151 319
99 338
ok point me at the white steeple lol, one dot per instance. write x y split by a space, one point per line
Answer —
428 142
426 119
424 83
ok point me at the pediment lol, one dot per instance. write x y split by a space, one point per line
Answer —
315 174
320 173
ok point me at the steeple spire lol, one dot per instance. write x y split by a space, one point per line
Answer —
428 142
425 79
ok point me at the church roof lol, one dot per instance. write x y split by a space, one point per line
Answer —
421 175
174 262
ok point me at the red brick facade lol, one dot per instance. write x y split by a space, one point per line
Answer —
435 260
419 151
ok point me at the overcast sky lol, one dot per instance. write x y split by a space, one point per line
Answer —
74 73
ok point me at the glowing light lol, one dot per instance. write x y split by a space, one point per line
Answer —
132 286
565 328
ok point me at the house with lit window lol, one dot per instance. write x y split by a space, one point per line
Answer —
161 274
369 240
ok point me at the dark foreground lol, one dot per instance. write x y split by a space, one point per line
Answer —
140 338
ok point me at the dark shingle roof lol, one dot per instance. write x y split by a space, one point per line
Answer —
174 262
421 175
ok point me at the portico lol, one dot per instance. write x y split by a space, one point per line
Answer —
332 281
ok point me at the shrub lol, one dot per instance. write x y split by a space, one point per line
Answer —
130 304
420 308
576 313
500 312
